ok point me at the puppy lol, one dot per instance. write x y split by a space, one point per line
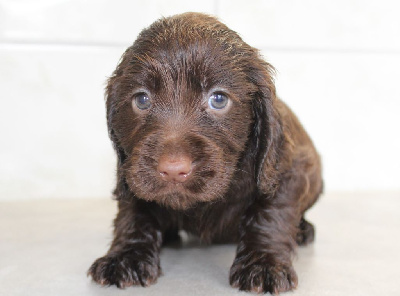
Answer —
204 145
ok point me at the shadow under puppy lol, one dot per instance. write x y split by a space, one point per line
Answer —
204 145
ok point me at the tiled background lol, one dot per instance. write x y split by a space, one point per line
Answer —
338 68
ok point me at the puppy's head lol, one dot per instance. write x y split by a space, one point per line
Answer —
188 103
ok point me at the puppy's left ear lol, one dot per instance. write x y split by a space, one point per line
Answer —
267 130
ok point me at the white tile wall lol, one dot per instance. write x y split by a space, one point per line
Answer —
338 67
52 121
349 104
311 24
86 21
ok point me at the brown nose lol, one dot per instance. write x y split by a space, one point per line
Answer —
174 169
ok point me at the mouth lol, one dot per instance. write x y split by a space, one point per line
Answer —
193 185
201 186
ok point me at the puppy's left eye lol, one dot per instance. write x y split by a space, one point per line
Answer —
218 101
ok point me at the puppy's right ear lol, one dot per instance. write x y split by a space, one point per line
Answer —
122 188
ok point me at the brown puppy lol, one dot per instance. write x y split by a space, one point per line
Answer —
204 145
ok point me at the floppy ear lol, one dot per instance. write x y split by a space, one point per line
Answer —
121 189
267 131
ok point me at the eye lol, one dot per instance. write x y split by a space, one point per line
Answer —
218 101
142 101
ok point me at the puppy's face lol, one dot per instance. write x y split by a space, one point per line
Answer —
180 110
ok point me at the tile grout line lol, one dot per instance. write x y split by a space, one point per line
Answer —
283 49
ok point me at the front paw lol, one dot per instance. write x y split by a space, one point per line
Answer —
124 270
260 277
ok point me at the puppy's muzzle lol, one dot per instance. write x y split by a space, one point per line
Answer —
175 169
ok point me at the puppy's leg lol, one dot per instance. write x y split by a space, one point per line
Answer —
263 259
306 233
133 258
171 236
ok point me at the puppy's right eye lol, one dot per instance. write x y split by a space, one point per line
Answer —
142 101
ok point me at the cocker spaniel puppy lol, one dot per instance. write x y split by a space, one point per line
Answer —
204 145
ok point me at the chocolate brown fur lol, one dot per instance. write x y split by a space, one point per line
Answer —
254 170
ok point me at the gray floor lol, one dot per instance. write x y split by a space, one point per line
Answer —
46 247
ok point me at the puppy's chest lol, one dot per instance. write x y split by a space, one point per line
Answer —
215 223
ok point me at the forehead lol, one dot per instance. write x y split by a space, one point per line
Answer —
196 66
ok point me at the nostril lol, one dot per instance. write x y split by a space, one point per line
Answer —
164 174
174 169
